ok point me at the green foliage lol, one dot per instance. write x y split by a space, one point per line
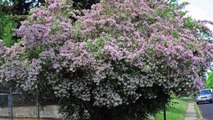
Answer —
175 34
3 20
55 26
192 47
90 45
175 110
209 82
7 24
95 47
183 13
173 3
8 34
190 24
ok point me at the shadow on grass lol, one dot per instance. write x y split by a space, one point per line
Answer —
175 110
187 99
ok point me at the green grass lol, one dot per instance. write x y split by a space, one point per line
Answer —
176 110
197 112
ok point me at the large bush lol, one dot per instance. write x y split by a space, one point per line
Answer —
121 59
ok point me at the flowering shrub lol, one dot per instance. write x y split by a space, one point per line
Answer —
122 56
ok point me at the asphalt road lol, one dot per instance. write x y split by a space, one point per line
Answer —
206 111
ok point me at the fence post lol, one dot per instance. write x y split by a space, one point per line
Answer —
10 105
164 112
38 107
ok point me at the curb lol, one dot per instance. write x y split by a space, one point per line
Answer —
199 112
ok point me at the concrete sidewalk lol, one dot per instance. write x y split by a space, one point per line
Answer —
190 112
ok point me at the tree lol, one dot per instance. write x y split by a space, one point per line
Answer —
121 59
7 24
84 4
19 7
209 82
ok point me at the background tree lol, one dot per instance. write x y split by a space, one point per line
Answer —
19 7
209 82
84 4
121 59
7 24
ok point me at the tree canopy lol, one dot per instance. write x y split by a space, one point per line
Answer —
19 7
209 81
119 59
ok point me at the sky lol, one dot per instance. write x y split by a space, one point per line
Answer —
201 10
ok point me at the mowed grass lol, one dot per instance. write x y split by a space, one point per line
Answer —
175 111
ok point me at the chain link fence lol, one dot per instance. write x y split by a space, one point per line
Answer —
15 106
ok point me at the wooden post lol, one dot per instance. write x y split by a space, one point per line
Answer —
10 106
38 107
164 112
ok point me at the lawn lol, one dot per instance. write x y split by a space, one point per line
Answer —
176 110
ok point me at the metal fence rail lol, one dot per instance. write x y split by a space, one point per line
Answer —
14 100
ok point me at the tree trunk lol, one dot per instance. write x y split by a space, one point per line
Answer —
102 114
